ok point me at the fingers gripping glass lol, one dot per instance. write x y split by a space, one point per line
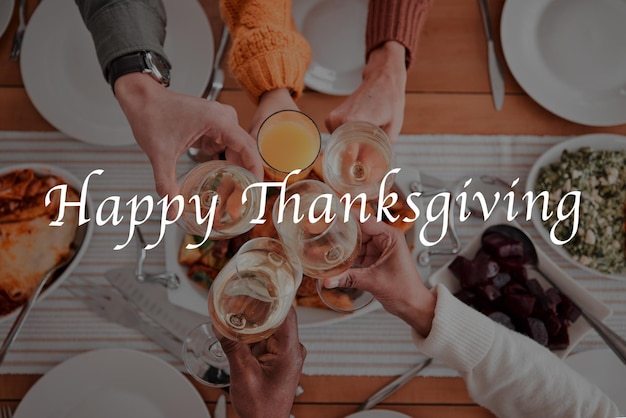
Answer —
248 300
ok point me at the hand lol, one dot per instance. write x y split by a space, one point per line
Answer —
390 274
380 97
165 124
269 103
264 376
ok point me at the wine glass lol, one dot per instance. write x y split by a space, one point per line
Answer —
310 219
217 186
288 140
357 158
248 300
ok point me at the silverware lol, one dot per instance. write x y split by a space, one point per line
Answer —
6 412
495 68
152 300
215 85
612 339
19 33
216 82
220 407
387 390
112 306
81 232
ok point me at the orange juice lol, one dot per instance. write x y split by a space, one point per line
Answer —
288 140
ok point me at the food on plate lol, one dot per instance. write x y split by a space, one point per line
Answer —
204 263
496 283
600 175
29 247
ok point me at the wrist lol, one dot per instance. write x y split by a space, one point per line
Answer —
390 55
280 95
135 87
419 312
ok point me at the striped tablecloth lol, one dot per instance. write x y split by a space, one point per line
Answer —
374 344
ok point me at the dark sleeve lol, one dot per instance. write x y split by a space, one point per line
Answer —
119 27
396 20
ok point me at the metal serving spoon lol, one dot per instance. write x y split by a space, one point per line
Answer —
613 340
81 233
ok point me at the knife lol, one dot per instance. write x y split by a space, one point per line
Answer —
387 390
220 407
495 69
151 299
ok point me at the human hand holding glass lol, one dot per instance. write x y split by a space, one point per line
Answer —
357 158
248 300
310 220
217 186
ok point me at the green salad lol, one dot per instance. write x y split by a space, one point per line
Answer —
600 176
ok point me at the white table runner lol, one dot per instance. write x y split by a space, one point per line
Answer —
375 344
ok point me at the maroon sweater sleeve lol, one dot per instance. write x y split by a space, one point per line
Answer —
396 20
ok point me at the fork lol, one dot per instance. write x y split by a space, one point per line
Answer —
6 412
19 33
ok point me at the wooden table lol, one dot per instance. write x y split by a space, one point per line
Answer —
448 92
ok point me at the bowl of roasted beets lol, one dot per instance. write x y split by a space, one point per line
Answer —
490 276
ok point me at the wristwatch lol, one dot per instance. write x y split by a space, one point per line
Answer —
146 62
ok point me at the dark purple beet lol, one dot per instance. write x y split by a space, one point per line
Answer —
514 288
489 292
560 341
567 309
485 264
520 305
553 325
466 296
502 246
534 288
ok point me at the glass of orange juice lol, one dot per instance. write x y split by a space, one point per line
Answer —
288 140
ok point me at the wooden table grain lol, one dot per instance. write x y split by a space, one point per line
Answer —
447 93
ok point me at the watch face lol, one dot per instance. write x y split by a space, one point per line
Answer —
158 67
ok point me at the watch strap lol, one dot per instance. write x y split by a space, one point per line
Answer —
131 63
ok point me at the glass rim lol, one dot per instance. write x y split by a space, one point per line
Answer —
319 135
291 256
329 224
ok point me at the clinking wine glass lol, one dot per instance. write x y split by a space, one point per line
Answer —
357 158
248 300
312 223
220 185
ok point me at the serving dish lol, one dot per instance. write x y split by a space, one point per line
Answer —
76 184
578 329
112 383
568 56
336 33
603 368
65 83
596 142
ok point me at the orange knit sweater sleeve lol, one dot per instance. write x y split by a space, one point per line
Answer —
267 50
396 20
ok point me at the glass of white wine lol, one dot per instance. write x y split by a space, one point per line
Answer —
220 185
311 221
357 158
248 300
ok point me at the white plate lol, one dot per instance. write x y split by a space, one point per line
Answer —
6 11
378 413
595 141
64 80
605 370
193 297
568 55
336 33
587 301
112 383
76 185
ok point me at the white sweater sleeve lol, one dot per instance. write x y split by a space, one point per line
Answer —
505 371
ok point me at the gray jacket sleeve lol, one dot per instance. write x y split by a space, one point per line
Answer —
119 27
